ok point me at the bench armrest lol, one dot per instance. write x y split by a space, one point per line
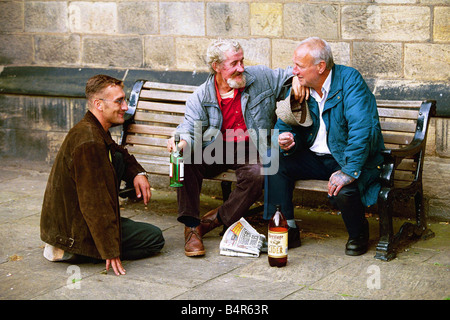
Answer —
393 157
410 150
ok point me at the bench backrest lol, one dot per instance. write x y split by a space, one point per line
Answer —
158 108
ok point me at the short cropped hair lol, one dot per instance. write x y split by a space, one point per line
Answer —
319 50
217 49
98 83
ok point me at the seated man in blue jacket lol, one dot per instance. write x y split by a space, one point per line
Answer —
343 145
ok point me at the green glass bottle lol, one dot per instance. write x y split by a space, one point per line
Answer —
176 172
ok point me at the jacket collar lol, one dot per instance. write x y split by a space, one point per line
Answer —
336 83
334 95
89 117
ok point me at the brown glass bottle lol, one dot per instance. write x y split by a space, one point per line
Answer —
277 241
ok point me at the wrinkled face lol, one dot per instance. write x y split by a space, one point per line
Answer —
231 70
114 105
305 69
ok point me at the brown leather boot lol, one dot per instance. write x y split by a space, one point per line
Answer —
193 242
209 222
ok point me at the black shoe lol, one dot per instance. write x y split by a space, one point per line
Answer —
358 246
294 238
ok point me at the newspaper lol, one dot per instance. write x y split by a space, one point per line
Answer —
242 240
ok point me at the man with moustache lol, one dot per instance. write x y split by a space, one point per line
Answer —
231 107
80 218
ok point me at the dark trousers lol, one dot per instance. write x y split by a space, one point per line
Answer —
304 165
139 239
248 189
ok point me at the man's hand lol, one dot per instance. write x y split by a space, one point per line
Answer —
337 181
286 141
116 265
171 144
142 187
300 93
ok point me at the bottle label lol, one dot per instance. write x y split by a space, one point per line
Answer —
277 244
181 170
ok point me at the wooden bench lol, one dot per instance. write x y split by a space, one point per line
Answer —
155 109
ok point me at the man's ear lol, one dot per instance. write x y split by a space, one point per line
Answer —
97 103
215 66
322 66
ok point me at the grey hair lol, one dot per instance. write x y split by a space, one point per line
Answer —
217 49
319 50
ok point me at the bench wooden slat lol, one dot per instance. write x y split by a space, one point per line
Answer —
157 117
403 175
398 113
169 86
155 168
394 146
133 139
163 107
401 184
141 150
155 130
164 95
407 165
398 126
312 185
393 138
399 103
162 160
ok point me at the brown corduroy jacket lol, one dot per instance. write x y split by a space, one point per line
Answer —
80 212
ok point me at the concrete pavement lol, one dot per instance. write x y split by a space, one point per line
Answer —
318 270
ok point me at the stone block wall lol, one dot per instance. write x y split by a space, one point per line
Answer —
401 47
386 39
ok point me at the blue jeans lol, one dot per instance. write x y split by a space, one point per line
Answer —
304 165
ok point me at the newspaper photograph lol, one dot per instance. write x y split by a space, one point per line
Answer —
241 240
